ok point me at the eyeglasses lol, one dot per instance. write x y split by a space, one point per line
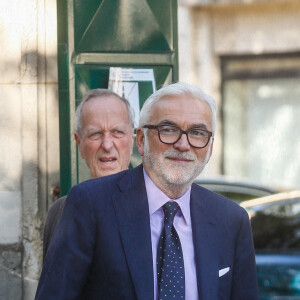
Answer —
171 134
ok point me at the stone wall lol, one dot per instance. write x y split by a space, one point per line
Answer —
29 160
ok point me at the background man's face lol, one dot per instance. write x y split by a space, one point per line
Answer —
179 163
106 138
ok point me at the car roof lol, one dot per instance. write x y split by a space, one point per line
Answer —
224 184
276 199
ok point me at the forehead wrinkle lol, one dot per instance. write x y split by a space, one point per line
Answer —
100 111
167 122
199 126
183 111
100 128
193 125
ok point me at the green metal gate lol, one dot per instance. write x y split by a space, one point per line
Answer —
94 35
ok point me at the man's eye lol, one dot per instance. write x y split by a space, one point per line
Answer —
95 135
198 133
118 133
168 129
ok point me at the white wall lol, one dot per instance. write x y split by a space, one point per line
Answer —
29 160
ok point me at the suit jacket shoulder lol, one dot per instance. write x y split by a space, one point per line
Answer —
52 219
101 248
92 188
215 203
56 209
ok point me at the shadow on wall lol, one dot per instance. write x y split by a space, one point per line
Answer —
11 271
21 232
26 192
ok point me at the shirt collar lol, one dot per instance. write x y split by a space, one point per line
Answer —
156 199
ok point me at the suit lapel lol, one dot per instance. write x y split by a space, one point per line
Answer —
132 212
205 245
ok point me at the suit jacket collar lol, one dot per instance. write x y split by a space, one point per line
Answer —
132 212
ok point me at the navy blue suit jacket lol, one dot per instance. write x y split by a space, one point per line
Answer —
101 248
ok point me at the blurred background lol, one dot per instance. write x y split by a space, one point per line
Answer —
245 53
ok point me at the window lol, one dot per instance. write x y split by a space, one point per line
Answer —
261 119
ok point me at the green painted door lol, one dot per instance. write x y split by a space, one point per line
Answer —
94 35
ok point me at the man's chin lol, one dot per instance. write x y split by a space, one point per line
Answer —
179 180
180 176
107 171
176 176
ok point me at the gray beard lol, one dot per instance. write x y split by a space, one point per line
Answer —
173 181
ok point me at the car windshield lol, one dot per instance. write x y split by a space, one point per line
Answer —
236 190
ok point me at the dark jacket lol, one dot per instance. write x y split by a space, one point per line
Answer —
101 248
52 219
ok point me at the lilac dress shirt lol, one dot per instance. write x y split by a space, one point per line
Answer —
183 226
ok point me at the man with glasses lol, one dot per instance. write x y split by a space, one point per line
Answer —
149 233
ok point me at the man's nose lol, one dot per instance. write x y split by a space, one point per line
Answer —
182 144
107 142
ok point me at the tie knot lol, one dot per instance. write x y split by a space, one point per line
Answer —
170 209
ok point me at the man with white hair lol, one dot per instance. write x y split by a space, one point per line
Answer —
149 233
104 135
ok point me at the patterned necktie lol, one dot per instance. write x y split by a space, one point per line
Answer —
170 267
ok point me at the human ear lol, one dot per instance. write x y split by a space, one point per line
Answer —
78 142
211 149
140 140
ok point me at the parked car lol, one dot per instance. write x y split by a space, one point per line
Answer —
237 190
275 224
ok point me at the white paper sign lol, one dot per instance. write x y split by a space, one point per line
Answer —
127 83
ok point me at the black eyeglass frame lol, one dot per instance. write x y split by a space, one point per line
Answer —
186 132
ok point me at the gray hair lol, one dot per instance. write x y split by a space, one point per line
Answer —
102 93
177 89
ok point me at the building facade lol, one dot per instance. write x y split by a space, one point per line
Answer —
244 53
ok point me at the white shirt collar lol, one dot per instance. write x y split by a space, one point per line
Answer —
156 199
